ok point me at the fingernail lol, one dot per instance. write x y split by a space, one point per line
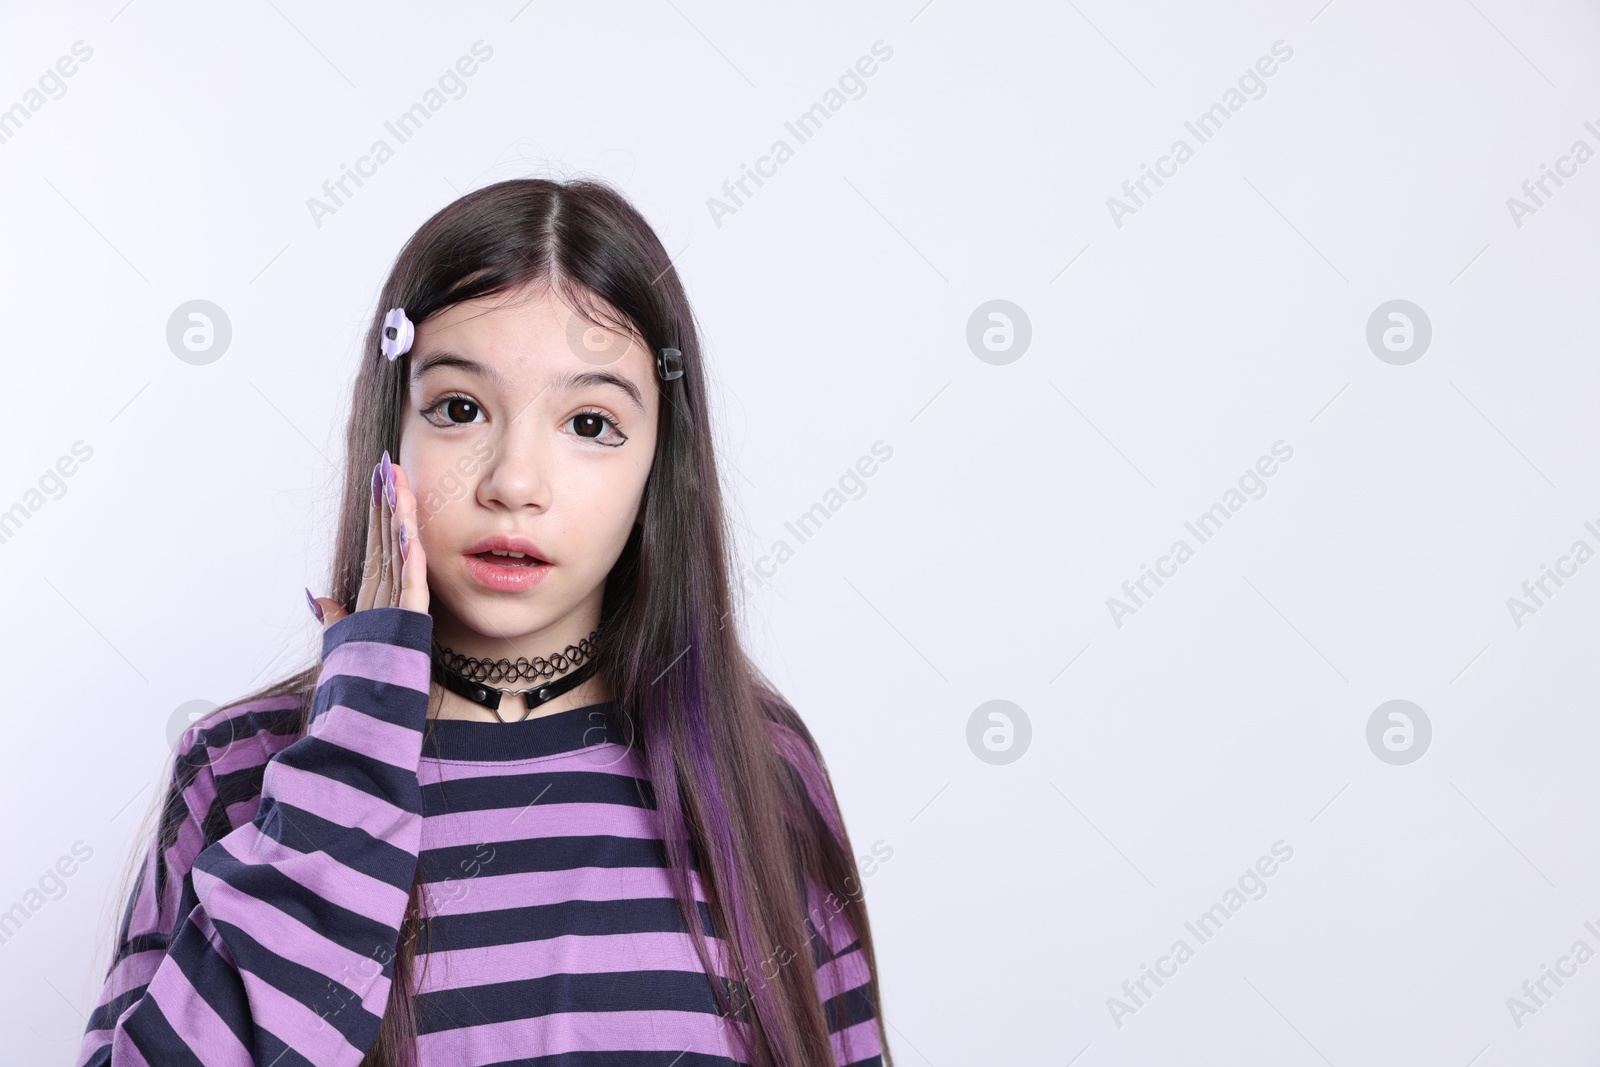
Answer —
316 609
388 481
405 542
377 483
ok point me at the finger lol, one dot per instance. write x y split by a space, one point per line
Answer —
369 563
414 559
331 611
383 594
395 513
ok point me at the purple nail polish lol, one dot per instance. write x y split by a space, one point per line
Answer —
316 609
405 542
377 483
388 481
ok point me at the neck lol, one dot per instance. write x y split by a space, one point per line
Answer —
469 667
447 705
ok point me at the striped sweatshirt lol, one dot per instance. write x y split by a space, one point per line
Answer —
268 911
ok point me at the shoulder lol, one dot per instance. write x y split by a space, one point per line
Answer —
219 761
240 730
790 736
793 742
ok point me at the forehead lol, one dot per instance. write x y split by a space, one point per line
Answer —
525 339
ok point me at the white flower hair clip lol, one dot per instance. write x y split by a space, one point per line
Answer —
398 333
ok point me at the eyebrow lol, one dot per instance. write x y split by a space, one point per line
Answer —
567 382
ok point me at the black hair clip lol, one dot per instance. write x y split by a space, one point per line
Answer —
669 361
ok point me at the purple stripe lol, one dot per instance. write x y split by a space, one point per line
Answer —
832 925
794 748
487 892
580 1032
123 1052
859 1042
191 840
199 795
379 662
570 954
295 1023
374 738
93 1041
236 715
152 915
843 974
538 821
289 939
194 1020
243 812
343 805
182 1006
327 877
243 753
134 971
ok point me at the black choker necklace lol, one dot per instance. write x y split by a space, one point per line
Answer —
465 675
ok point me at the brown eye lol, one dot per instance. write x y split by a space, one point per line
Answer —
592 425
459 410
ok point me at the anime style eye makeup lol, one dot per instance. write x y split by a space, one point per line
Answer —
592 423
598 419
453 404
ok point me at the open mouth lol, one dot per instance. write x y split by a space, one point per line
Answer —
508 559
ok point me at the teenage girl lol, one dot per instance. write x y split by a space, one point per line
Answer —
534 804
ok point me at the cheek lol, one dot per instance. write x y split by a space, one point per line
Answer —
602 503
436 477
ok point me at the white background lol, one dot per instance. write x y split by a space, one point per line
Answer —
1168 353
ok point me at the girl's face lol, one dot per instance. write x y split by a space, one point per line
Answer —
525 421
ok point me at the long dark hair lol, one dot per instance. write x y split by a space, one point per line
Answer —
737 777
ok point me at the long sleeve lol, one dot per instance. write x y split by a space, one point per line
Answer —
274 943
844 981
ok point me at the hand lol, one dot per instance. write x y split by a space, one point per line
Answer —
390 578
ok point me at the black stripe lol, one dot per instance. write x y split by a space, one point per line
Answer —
156 1040
214 980
326 995
393 626
620 1059
270 1049
142 943
105 1016
239 727
606 991
385 701
489 792
848 1008
374 777
277 890
304 831
547 854
542 921
221 987
531 738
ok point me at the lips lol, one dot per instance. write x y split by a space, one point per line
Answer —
504 550
508 560
521 567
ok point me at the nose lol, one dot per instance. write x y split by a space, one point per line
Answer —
515 475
